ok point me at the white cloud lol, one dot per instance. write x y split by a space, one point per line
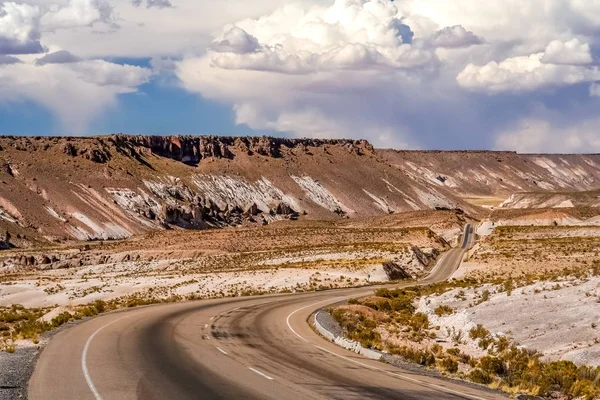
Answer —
76 13
311 70
236 40
19 24
331 67
537 136
76 92
572 52
350 34
376 68
455 37
185 28
522 74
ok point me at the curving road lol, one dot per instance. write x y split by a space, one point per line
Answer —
240 348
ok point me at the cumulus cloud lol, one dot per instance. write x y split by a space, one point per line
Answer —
76 13
400 73
235 40
536 136
58 57
19 29
455 37
22 24
523 74
76 92
349 34
311 70
572 52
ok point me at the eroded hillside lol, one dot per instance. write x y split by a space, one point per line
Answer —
54 189
489 178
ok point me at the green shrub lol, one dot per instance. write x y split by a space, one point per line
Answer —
478 332
357 327
478 376
61 319
443 309
419 321
586 389
453 351
402 303
502 344
558 375
485 343
422 357
450 365
492 365
379 305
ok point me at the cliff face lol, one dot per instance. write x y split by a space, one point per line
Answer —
192 149
111 187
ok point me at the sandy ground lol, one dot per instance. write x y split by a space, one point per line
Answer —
112 281
559 319
534 250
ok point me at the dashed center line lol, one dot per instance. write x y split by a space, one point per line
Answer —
260 373
221 350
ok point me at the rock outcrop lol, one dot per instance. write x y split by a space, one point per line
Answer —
193 149
5 241
395 271
425 258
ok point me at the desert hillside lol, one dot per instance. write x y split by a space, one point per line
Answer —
112 187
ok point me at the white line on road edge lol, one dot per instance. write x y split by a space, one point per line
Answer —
86 372
260 373
221 350
420 382
302 308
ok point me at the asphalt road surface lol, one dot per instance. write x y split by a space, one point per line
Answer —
236 348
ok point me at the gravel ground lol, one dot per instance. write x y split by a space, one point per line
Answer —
15 371
330 324
16 368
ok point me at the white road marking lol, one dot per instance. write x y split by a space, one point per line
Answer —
302 308
260 373
86 372
401 376
221 350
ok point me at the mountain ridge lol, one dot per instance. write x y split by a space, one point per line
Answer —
56 189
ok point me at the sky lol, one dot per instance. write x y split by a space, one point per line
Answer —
407 74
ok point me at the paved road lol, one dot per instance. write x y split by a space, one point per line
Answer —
241 348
